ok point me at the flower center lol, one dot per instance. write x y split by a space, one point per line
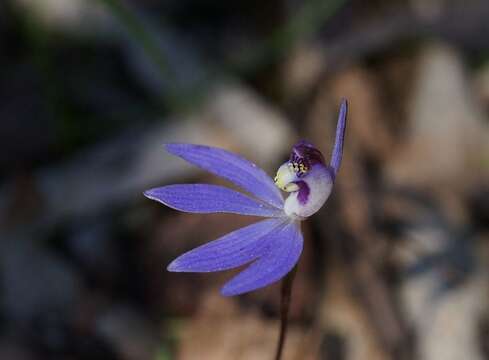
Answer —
306 178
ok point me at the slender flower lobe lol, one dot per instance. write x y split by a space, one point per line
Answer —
229 251
205 198
231 167
283 253
339 138
270 247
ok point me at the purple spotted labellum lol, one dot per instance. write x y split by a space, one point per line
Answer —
272 246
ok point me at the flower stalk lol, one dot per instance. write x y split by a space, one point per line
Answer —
285 299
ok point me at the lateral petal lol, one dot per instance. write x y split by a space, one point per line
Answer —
284 252
229 251
231 167
339 138
205 198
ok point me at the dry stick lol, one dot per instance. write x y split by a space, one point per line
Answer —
286 295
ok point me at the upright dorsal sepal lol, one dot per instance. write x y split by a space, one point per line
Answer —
340 136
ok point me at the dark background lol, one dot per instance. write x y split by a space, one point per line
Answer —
396 264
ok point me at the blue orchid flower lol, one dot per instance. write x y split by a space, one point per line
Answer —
272 246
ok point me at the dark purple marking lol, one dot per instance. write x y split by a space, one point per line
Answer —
306 153
303 194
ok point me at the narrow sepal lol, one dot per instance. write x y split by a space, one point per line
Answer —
340 136
231 167
284 252
205 198
229 251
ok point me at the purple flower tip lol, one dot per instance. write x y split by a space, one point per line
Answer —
173 267
340 137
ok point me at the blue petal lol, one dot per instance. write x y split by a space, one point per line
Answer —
204 198
284 251
232 167
232 250
340 136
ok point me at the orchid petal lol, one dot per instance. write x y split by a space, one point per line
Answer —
231 167
205 198
229 251
283 253
340 136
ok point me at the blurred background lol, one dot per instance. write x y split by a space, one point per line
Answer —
395 265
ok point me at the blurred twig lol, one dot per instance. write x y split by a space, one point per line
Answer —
306 22
141 32
464 24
